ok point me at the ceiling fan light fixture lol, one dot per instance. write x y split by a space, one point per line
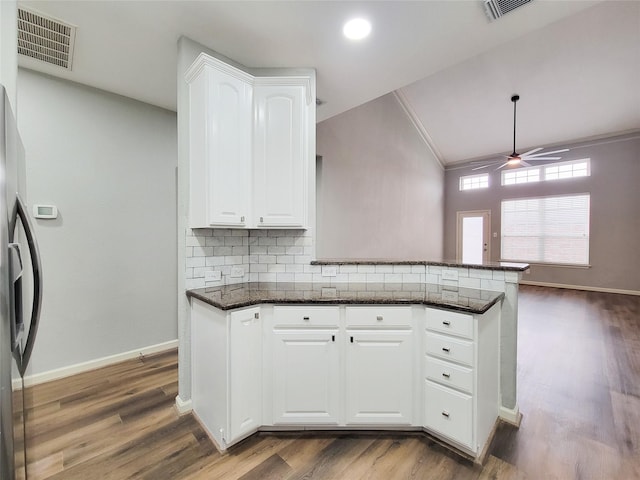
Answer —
513 161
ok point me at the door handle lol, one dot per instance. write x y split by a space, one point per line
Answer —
21 213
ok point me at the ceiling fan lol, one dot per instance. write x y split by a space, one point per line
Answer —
520 159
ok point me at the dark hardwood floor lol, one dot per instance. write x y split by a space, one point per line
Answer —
579 391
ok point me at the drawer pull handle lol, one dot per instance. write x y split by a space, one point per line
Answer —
305 318
446 349
333 338
379 318
446 322
446 375
445 413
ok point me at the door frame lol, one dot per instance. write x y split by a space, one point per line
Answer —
486 214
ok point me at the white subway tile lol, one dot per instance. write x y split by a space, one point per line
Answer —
285 258
308 250
238 232
225 269
410 278
203 251
302 259
259 268
254 277
339 278
366 269
233 260
267 258
294 268
358 277
293 250
374 277
512 277
202 232
401 268
480 273
450 283
498 275
393 278
253 241
267 277
188 273
312 268
285 277
348 268
199 271
214 261
195 261
303 277
463 272
258 249
258 233
267 241
239 250
318 278
432 278
434 269
214 241
232 241
418 269
493 285
384 268
276 268
218 251
188 252
274 250
195 241
221 232
469 282
285 241
192 283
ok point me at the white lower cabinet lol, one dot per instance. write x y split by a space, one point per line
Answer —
346 366
462 376
226 360
306 387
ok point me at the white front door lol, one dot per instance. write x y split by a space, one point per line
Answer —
474 237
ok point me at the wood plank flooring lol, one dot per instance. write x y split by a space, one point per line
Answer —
579 391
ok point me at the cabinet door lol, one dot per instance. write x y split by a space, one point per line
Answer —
229 150
245 373
305 378
379 377
280 156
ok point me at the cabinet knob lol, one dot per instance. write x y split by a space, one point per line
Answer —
261 220
446 322
446 349
305 318
446 375
242 219
379 318
445 413
256 315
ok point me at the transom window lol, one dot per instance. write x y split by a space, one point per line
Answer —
473 182
546 229
543 173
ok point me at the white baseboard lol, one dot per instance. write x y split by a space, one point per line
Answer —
63 372
580 287
183 406
511 415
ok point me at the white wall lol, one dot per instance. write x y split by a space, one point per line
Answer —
381 189
9 48
109 260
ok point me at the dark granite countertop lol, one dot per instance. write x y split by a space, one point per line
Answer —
503 266
467 300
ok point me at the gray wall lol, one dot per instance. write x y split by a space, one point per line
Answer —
109 260
380 190
615 213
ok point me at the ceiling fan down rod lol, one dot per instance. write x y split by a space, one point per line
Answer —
514 99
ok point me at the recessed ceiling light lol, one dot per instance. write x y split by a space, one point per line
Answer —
356 29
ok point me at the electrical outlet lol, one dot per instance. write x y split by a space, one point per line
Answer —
329 271
237 272
214 276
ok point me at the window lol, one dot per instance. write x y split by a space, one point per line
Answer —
553 171
521 175
576 168
547 229
472 182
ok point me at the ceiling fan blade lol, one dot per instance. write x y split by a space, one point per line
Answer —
542 158
549 153
525 164
531 151
503 165
483 166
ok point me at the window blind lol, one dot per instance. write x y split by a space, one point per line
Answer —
547 229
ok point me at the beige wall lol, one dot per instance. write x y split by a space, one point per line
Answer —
380 190
615 213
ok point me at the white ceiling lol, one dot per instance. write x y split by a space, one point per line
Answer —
576 70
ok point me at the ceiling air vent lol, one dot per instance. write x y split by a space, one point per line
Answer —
45 38
496 8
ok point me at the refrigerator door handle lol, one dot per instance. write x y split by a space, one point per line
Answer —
21 213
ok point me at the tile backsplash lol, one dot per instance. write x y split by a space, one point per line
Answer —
285 256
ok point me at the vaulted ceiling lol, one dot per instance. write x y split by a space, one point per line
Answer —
576 64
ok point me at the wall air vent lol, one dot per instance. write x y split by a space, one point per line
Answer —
496 8
44 38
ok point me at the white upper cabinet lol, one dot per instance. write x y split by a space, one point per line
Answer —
280 155
251 141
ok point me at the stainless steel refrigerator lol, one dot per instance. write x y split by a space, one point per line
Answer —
18 316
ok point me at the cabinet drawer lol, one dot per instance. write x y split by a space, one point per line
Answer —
451 323
306 316
379 317
449 348
449 374
449 412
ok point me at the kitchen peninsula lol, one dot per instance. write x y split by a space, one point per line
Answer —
343 354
